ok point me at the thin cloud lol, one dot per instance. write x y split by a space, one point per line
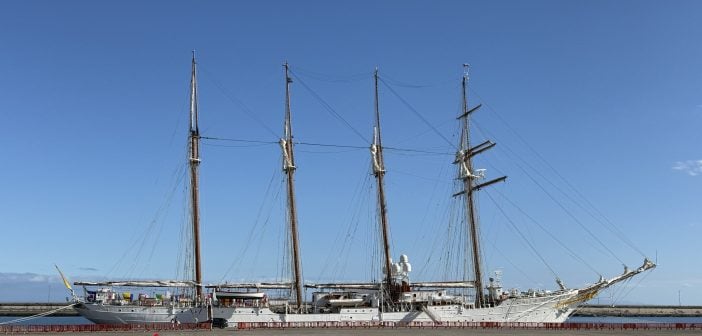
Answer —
672 283
91 269
691 167
17 278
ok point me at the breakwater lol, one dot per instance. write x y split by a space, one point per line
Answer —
32 308
639 310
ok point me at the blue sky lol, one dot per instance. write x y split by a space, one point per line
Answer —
95 111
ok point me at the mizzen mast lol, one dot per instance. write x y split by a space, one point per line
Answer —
379 173
470 178
286 144
194 162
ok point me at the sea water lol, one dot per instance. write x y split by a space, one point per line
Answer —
50 320
575 319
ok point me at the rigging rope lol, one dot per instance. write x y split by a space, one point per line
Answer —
625 294
516 228
328 108
237 101
331 78
239 140
570 214
444 214
177 177
413 110
450 82
234 146
344 240
572 254
524 274
552 197
252 232
428 130
262 142
611 227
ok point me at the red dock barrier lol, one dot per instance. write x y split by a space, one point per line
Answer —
348 325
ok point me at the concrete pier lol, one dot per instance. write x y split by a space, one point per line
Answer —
639 310
29 309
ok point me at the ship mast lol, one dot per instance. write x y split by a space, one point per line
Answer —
379 173
194 162
286 144
470 186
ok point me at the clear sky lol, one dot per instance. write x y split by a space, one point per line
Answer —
606 95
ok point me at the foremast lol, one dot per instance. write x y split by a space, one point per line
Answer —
194 162
470 180
379 173
286 144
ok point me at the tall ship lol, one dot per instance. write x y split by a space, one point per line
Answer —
395 298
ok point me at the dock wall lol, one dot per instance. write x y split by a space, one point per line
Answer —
29 309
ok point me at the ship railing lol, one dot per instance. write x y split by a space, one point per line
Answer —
240 305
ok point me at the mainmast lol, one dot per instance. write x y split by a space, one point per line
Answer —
379 173
194 162
286 144
470 185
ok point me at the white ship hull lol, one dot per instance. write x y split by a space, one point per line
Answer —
132 314
531 309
